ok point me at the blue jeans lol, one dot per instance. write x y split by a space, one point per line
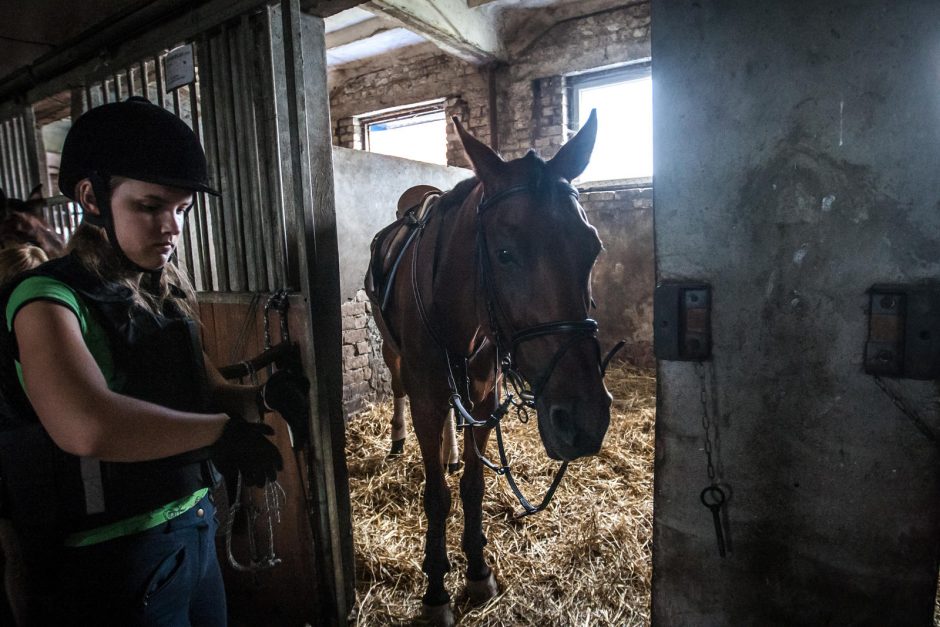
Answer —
167 576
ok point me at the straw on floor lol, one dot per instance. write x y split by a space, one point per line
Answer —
583 561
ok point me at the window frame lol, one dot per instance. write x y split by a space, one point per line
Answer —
642 68
400 113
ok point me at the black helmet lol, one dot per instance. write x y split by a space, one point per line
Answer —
135 139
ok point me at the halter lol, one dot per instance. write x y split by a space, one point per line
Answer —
578 329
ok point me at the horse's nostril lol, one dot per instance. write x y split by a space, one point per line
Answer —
561 418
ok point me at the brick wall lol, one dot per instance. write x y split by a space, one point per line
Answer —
531 89
625 274
463 87
531 113
365 377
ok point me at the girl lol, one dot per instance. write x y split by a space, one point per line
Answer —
108 482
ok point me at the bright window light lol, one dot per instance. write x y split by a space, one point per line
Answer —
624 146
418 136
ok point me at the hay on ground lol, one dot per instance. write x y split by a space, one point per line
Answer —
583 561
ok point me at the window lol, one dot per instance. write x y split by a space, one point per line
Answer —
418 132
624 102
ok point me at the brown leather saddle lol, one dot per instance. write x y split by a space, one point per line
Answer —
389 245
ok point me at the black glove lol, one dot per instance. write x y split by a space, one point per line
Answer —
286 392
244 447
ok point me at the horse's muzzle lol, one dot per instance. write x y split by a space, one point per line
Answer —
572 428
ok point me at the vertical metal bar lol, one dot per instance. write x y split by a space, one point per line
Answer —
116 87
19 142
247 167
5 155
145 73
206 61
312 188
159 78
99 95
13 191
9 153
186 259
129 82
198 219
235 251
270 68
142 74
37 173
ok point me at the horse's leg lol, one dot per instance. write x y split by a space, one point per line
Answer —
481 584
427 422
393 361
450 454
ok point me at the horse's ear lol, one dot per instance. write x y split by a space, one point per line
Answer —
486 163
573 157
36 194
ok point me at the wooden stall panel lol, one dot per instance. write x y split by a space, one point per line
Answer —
233 331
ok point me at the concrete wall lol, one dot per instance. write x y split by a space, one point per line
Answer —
368 187
367 190
796 148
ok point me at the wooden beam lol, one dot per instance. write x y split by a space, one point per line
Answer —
455 28
326 8
358 31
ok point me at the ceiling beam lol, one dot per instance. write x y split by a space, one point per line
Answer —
359 30
455 28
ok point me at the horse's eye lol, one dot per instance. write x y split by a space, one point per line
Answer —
504 256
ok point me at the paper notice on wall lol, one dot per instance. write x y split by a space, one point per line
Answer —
179 67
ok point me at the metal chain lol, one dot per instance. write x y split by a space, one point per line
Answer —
706 422
914 417
273 494
274 497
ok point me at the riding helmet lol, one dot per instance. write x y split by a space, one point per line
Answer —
135 139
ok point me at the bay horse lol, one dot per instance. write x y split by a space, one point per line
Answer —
21 223
493 284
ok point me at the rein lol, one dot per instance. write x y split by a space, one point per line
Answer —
527 395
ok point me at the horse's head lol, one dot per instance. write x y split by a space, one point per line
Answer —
536 251
21 223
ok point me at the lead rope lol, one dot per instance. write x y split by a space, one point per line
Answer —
273 495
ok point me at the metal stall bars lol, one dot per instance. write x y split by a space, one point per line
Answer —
19 159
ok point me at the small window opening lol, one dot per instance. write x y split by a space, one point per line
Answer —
418 132
624 102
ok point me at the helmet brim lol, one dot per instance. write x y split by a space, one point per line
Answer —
189 185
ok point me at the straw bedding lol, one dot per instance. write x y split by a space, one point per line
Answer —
583 561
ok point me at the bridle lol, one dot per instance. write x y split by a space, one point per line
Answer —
526 395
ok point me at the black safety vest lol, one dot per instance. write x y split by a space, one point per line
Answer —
160 360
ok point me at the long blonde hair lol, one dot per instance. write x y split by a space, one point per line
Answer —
90 244
17 259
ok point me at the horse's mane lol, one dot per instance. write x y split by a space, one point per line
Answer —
455 197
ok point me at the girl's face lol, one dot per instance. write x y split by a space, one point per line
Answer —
148 220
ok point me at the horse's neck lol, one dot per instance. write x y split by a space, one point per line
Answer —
456 291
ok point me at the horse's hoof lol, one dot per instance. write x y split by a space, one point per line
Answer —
438 615
398 448
483 590
452 468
